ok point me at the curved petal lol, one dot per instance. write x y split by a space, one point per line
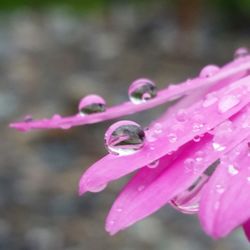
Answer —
127 108
173 135
225 200
246 228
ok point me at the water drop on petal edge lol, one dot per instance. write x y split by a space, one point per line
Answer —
241 52
209 70
91 104
124 138
141 91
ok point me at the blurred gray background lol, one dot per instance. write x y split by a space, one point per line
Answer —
52 53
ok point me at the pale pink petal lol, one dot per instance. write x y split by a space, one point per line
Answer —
246 227
174 134
225 200
129 108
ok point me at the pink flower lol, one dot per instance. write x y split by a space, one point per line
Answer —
195 157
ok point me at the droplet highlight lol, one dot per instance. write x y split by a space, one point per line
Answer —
209 70
241 52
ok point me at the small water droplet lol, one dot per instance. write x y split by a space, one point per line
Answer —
97 189
119 209
227 103
124 138
141 91
248 179
220 189
210 100
241 52
218 147
197 127
232 170
197 138
209 70
56 117
65 126
172 137
181 115
28 118
189 164
153 164
157 128
91 104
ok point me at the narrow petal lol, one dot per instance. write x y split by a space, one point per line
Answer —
246 228
174 135
128 108
225 200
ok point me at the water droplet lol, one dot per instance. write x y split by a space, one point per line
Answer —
218 147
172 137
56 117
227 103
28 118
91 104
181 115
189 164
197 127
65 126
157 128
248 179
241 52
188 201
124 138
209 70
141 91
119 209
210 100
97 189
153 164
220 189
197 138
232 170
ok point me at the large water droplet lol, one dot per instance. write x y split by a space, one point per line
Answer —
228 102
124 138
188 201
91 104
209 70
241 52
141 91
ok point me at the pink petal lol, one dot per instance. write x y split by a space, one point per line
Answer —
113 167
128 108
225 200
150 189
246 228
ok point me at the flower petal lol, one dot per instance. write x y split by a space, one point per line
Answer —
246 228
226 198
129 108
174 135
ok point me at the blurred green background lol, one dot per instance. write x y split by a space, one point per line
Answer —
52 53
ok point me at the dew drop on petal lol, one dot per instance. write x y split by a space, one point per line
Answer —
141 91
241 52
197 138
220 189
218 147
56 117
140 188
209 70
181 115
172 137
210 100
124 138
91 104
28 118
227 103
232 170
153 164
188 201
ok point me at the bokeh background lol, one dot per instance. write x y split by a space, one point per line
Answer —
52 53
